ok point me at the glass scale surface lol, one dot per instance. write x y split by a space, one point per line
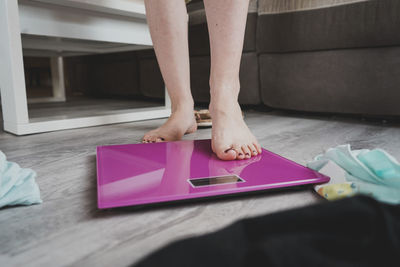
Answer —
139 174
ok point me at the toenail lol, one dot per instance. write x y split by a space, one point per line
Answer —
240 154
247 154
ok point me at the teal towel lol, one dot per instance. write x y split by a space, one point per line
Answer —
17 185
372 172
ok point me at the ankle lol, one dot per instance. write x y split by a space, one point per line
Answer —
182 106
224 93
223 107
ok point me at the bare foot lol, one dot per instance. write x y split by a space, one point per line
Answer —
181 121
231 138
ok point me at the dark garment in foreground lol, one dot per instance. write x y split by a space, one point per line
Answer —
357 231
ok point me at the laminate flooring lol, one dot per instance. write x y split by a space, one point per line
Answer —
67 229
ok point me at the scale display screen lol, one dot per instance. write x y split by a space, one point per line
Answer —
229 179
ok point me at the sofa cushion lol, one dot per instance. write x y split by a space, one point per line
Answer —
360 81
308 27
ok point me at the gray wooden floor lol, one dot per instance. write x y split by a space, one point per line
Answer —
68 229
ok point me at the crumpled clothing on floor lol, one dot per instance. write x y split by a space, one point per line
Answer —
17 185
371 172
356 231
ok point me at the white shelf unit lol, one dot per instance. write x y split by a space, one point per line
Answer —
59 28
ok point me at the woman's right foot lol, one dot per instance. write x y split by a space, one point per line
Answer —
231 138
181 122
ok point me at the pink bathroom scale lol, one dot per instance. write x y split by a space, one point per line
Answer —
139 174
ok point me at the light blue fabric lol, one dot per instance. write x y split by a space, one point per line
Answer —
372 172
17 185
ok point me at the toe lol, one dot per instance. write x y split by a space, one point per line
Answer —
224 152
246 151
253 150
240 154
258 147
227 154
160 139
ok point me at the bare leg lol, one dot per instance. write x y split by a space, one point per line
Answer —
168 27
231 138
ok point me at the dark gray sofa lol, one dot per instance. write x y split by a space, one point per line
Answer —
342 58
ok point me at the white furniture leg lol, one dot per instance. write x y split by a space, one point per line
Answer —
12 79
58 82
57 76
